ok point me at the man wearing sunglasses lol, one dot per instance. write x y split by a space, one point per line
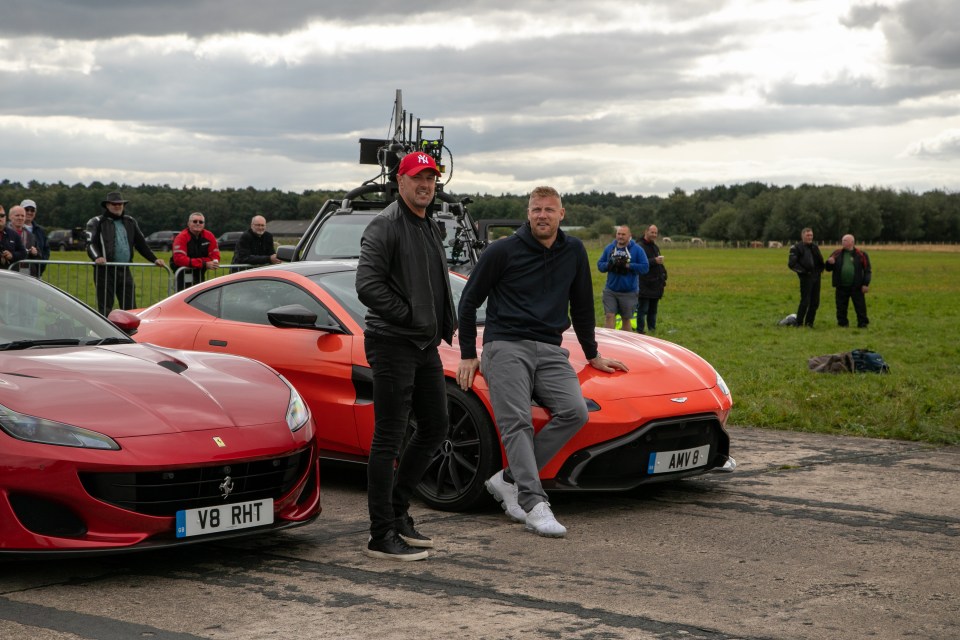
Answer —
195 252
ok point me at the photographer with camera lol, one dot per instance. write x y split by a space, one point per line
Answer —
623 261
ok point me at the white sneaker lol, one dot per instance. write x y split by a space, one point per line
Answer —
540 520
507 495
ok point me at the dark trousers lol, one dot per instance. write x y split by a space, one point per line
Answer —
647 309
405 379
809 299
112 281
844 296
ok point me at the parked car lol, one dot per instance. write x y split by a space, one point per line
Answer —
109 445
67 239
161 240
664 419
228 241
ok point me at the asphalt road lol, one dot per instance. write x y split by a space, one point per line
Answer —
813 537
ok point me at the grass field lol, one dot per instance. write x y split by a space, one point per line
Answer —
724 304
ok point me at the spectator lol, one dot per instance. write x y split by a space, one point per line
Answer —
851 280
535 281
18 219
11 247
622 261
39 234
113 235
807 261
652 283
194 252
402 278
255 246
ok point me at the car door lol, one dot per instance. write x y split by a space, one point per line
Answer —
316 361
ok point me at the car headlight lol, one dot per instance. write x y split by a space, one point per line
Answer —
297 411
42 431
722 384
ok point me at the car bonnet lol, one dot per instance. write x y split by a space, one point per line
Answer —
136 390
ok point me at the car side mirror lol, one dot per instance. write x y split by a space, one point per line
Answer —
125 321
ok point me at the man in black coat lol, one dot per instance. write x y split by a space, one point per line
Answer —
652 282
807 261
113 237
256 246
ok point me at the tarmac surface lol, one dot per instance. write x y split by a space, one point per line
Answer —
813 537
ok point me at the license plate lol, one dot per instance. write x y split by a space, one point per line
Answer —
667 461
224 517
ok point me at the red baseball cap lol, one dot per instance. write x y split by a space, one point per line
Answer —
414 163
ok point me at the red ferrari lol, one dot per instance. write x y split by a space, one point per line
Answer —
109 445
662 420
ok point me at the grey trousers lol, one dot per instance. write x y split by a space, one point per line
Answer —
516 372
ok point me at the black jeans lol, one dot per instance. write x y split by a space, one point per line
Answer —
112 281
809 298
647 309
405 379
844 295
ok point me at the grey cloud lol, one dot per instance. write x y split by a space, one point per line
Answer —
864 16
924 33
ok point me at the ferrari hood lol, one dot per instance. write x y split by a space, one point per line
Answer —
137 390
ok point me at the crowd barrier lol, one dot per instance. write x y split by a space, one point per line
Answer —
150 282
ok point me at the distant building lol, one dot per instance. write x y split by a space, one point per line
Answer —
287 228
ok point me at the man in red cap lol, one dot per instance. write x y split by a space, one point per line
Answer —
402 279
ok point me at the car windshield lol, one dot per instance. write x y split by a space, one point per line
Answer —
34 314
342 286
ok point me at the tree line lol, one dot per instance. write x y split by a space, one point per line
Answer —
739 213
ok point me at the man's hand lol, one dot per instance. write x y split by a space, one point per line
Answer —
466 372
607 365
160 263
864 288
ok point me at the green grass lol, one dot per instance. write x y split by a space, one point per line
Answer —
724 304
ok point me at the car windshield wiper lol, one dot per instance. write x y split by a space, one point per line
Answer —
30 344
110 340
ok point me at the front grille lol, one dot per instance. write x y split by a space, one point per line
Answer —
163 493
622 463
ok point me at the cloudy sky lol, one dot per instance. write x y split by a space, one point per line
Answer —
628 97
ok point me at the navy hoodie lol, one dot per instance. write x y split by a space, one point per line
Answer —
532 293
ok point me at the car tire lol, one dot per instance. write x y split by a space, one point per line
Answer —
471 453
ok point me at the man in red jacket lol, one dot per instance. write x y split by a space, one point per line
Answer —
195 248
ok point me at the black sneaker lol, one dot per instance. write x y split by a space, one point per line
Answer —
392 547
411 536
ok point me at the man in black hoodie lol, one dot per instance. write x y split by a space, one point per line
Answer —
535 281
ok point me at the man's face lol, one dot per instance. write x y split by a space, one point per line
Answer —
30 214
115 209
651 234
847 242
545 214
18 217
196 224
623 237
259 226
807 237
418 190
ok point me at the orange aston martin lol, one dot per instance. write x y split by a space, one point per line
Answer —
662 420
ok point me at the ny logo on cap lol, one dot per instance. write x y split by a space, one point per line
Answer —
423 158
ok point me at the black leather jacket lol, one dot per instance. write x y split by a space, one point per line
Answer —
393 278
103 237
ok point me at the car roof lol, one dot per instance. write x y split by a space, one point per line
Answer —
310 268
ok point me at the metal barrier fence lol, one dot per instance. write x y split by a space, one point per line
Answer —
149 282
